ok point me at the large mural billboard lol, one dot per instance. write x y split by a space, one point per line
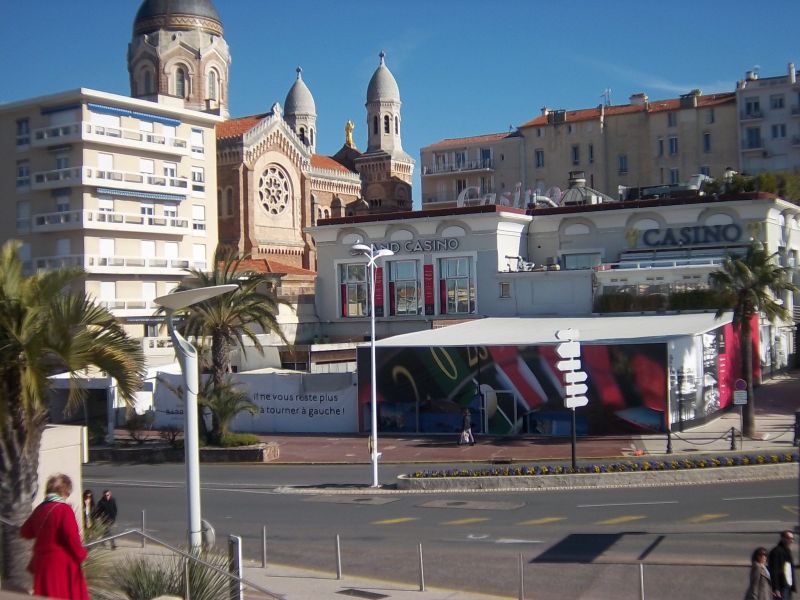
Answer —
632 387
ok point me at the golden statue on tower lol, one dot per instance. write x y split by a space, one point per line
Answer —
348 134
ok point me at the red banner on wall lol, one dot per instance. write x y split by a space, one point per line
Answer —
428 286
379 291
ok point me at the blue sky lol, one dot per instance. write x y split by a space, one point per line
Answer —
464 67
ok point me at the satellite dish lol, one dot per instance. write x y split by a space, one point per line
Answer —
555 194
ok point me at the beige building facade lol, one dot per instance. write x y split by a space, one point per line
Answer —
120 187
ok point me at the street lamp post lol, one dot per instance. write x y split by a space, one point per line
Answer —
372 256
187 358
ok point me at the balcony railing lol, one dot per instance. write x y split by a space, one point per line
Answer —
105 264
136 138
57 178
47 136
750 115
144 180
121 304
752 145
655 263
100 219
470 165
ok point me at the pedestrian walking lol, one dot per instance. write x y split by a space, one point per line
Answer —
466 429
760 587
106 513
87 509
57 549
781 567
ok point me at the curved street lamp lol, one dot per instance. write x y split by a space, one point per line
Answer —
372 256
187 358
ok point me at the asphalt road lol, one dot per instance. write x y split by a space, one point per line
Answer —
693 540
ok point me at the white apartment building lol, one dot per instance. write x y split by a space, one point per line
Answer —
769 122
123 188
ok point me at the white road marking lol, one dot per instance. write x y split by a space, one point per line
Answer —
514 541
626 504
758 498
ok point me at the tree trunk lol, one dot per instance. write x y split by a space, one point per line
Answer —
19 466
749 425
220 365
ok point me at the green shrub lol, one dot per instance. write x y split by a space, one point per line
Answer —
232 440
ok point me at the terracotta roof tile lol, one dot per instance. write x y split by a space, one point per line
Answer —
326 162
263 265
490 137
587 114
235 127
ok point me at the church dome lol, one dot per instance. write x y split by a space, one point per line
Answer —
382 86
299 99
177 14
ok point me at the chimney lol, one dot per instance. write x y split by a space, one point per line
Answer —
545 111
577 179
792 74
639 99
690 100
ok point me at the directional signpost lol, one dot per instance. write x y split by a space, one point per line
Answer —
740 398
569 350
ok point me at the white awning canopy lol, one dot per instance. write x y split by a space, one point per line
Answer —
527 331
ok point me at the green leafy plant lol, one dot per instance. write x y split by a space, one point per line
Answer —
232 440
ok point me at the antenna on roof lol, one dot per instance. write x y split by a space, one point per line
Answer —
606 96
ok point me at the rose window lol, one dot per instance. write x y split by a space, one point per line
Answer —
274 190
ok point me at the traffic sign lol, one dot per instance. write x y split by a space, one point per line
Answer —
575 376
576 389
568 365
569 349
740 384
567 334
740 397
575 401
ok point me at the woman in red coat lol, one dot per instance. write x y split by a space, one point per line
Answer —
57 551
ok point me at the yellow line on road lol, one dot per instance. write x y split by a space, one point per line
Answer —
618 520
466 521
706 517
394 521
790 507
542 521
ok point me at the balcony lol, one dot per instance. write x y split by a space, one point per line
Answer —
60 134
752 115
142 182
752 146
661 263
110 221
129 307
56 178
119 265
473 165
134 138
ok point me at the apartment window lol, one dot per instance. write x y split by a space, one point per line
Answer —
576 154
660 146
404 288
386 128
539 132
170 211
23 132
539 157
673 146
486 157
170 170
461 185
706 141
147 249
457 286
106 250
753 137
505 289
108 293
105 205
705 170
622 163
752 107
149 292
776 101
62 161
105 163
674 176
197 141
354 290
146 166
591 153
198 179
199 256
198 217
23 173
171 250
672 119
148 211
461 159
710 117
62 204
570 129
778 131
581 261
23 216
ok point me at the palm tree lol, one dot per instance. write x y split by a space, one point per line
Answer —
230 319
751 285
45 329
225 402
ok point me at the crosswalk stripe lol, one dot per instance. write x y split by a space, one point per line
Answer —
542 521
706 517
466 521
618 520
394 521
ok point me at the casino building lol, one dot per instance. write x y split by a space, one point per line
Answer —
525 274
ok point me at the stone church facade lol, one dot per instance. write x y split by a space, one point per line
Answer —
271 183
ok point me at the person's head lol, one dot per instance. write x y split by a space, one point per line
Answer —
59 484
106 494
760 555
787 537
88 495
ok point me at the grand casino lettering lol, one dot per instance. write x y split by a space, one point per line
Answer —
698 234
438 245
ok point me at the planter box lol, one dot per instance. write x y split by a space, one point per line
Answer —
261 453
